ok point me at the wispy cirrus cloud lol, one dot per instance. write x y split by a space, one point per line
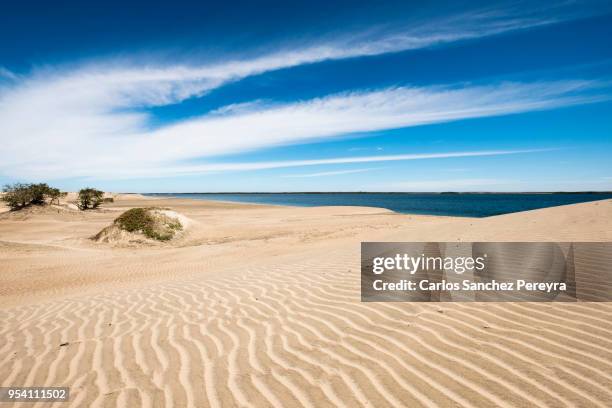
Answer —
5 74
139 83
44 136
328 173
90 121
266 165
124 84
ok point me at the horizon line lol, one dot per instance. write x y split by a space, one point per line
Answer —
390 192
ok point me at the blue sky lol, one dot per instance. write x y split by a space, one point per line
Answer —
307 96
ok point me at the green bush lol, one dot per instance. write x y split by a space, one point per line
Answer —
20 195
136 219
153 225
17 196
54 195
108 200
39 191
90 198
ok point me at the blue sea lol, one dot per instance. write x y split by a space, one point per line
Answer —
466 205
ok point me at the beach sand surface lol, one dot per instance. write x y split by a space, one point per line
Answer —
256 305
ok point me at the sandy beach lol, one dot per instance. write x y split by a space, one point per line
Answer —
256 305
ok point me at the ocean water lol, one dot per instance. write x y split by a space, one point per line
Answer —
466 205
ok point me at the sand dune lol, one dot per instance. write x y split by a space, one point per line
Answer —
260 306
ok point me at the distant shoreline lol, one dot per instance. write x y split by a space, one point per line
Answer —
389 192
441 204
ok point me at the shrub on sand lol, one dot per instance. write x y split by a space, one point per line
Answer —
151 222
90 198
20 195
17 196
39 192
54 195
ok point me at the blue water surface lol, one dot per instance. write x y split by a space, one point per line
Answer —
466 205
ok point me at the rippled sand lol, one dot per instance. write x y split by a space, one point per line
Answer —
260 306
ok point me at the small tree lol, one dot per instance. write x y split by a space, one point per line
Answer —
39 192
54 195
20 195
17 195
90 198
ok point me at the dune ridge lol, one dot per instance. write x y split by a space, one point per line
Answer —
190 324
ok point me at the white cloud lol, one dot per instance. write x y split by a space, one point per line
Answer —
119 84
355 112
52 130
266 165
328 173
6 74
89 121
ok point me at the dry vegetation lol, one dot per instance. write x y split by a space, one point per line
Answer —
153 223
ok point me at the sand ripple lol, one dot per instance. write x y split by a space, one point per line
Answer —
294 333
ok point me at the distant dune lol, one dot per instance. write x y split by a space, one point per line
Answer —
259 305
